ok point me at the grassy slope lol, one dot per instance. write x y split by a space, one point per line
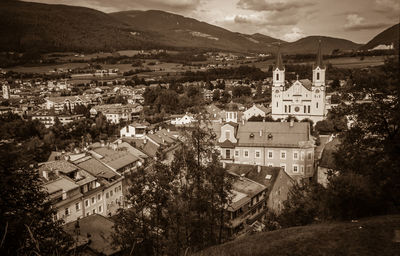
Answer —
27 26
372 236
388 36
310 45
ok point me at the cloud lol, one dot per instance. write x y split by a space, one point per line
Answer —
266 18
390 8
272 5
356 22
295 34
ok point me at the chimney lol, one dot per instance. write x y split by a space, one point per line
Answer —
258 168
291 123
261 133
242 121
144 141
45 174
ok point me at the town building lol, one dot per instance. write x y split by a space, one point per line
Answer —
114 113
134 130
182 120
6 91
278 144
302 100
256 110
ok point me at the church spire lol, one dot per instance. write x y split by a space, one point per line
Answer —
318 62
279 62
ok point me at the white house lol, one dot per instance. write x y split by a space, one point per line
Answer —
134 130
183 120
255 110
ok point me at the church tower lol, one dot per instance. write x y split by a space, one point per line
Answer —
278 85
318 86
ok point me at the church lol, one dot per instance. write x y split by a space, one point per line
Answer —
303 100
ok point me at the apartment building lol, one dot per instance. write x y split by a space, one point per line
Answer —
277 144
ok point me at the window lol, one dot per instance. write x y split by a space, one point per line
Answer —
111 193
119 188
86 203
67 211
236 152
115 189
93 200
295 155
100 209
302 155
98 197
317 75
295 168
309 156
77 206
270 154
228 153
277 104
290 109
302 169
308 169
107 195
258 154
270 164
87 214
309 108
283 154
94 211
283 166
277 76
317 104
246 153
305 109
285 109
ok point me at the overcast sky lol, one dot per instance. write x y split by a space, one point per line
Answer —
356 20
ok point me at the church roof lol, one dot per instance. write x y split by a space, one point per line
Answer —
279 61
306 83
318 62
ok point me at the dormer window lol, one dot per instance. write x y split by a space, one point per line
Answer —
270 136
251 135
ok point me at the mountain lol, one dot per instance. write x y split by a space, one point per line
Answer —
368 237
29 26
310 45
387 37
36 27
180 31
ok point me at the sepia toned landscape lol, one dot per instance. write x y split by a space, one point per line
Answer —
199 127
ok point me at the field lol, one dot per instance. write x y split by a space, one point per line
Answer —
367 237
45 69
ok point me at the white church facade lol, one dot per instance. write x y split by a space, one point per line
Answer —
301 100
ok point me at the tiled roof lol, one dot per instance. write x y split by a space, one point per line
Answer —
115 159
95 167
100 228
150 149
60 184
306 83
244 186
273 133
61 165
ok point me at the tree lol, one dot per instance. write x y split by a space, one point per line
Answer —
216 95
177 206
26 215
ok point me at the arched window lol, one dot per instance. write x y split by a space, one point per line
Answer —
277 76
285 109
317 104
317 75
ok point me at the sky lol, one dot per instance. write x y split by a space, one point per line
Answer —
290 20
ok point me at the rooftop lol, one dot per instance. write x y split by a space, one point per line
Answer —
98 229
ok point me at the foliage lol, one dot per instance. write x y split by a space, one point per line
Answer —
178 206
